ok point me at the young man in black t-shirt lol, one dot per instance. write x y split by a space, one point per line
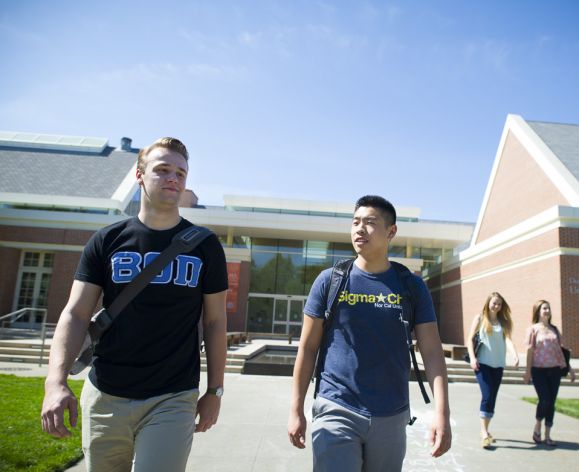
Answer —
140 400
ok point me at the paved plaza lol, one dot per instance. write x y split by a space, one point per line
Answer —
251 433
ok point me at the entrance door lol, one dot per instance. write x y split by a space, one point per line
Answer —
32 287
280 314
288 316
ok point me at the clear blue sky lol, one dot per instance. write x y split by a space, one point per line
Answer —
323 100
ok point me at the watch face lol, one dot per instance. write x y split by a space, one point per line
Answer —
218 391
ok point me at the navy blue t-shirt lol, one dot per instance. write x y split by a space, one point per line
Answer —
367 366
152 348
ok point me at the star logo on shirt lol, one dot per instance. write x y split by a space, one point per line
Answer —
381 298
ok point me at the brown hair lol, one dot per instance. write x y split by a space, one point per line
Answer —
504 316
172 144
537 309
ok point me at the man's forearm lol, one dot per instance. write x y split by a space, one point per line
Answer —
214 334
68 338
302 376
438 379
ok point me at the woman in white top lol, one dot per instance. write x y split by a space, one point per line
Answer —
494 326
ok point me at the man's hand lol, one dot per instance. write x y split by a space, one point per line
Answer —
440 435
57 399
208 407
296 429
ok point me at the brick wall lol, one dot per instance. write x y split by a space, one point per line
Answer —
520 287
570 300
520 190
522 283
236 321
62 272
8 273
60 282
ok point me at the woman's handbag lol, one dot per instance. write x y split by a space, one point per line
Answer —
567 356
476 343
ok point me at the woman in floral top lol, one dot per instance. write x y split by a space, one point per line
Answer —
544 363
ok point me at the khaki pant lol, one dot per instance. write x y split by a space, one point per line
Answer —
150 435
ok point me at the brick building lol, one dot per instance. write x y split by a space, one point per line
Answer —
55 191
526 241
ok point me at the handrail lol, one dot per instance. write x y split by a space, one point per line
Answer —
43 339
16 315
19 313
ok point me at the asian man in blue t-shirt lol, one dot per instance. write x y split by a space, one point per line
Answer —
362 406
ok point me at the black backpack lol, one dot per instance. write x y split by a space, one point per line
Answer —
340 273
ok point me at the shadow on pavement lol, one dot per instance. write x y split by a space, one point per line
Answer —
531 446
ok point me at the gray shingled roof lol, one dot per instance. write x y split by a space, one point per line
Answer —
73 174
563 140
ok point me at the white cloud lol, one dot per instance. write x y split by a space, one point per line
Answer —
250 39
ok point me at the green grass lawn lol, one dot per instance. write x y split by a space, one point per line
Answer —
23 444
567 406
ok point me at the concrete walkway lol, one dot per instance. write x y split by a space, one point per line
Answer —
251 434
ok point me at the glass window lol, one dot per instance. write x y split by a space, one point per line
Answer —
397 251
317 249
34 279
263 244
263 272
26 293
295 330
280 328
313 268
296 311
260 315
290 274
48 260
31 259
343 250
291 246
281 310
431 255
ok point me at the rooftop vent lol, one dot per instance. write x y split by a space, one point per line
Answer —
126 144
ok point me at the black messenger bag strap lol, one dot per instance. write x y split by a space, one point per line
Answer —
184 241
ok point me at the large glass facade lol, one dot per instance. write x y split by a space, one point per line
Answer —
282 273
289 267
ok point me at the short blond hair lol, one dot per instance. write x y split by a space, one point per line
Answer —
172 144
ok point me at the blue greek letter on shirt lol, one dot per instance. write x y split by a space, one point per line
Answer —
127 265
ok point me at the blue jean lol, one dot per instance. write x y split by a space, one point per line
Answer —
489 380
546 381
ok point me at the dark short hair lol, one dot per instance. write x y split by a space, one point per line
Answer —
375 201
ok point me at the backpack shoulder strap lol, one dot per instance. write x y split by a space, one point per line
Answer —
409 286
338 278
411 295
340 273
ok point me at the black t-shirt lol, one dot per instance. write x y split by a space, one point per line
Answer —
152 348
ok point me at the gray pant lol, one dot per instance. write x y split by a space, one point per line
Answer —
344 441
